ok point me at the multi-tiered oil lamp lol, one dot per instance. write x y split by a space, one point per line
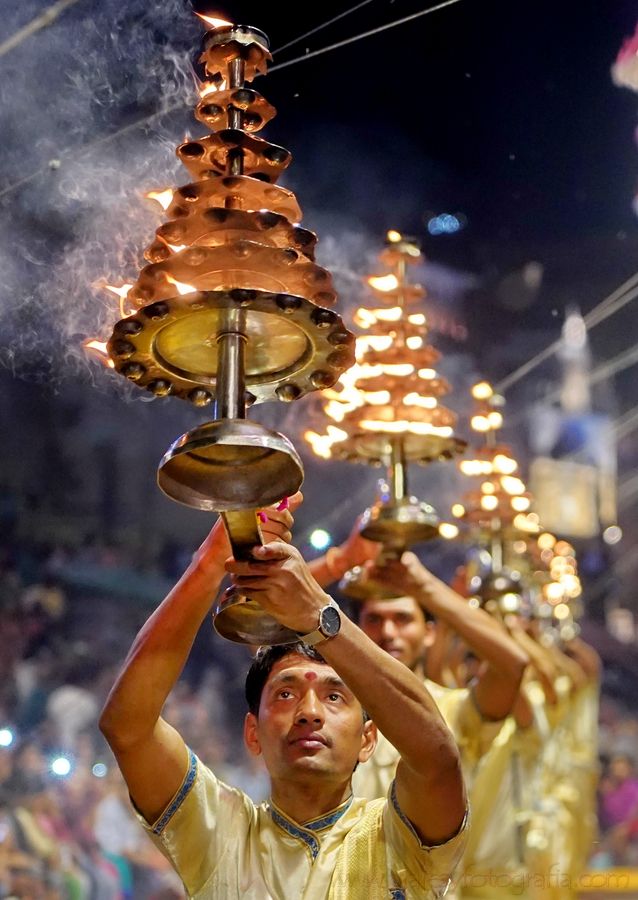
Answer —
232 310
388 410
498 511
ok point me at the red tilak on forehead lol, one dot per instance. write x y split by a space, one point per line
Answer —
310 675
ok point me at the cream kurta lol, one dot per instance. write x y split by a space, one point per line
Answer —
225 848
472 733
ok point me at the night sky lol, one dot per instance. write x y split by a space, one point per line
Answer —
502 113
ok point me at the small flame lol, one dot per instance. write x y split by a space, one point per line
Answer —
402 426
210 87
213 21
177 247
394 236
164 198
376 398
384 283
181 287
121 292
416 319
98 350
400 370
414 399
322 443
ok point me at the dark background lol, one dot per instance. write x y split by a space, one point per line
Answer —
502 113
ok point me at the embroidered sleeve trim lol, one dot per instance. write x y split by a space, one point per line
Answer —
179 797
408 823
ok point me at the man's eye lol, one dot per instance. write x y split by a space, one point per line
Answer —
285 694
334 697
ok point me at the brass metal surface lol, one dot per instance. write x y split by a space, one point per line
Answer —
292 346
245 193
373 447
223 45
215 109
400 524
230 464
208 155
244 264
216 227
358 584
240 619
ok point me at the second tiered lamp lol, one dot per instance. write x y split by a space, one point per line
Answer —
387 409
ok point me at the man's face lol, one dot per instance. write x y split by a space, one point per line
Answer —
309 723
398 627
620 768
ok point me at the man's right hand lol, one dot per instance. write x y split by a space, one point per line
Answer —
277 526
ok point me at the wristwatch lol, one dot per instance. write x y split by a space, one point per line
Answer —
329 625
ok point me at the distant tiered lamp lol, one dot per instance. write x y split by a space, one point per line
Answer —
557 589
388 411
497 513
231 311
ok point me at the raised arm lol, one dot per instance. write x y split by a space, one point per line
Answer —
355 551
150 753
498 684
429 783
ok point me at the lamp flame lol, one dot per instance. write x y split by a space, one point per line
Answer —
213 21
182 288
164 198
384 283
98 350
210 87
322 443
121 292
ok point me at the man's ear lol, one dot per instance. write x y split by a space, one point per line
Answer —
430 635
251 736
368 741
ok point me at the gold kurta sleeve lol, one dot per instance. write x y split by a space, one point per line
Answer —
194 830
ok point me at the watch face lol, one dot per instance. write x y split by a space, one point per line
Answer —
330 621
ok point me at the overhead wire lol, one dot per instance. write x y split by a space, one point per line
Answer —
318 28
603 310
364 34
147 120
43 20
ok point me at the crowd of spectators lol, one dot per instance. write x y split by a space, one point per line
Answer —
618 788
67 829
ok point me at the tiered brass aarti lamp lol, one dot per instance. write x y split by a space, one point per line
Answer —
497 513
232 310
388 411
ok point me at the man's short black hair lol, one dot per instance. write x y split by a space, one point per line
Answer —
263 663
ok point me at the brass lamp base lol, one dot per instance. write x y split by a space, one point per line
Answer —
358 585
240 619
230 464
398 524
234 466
